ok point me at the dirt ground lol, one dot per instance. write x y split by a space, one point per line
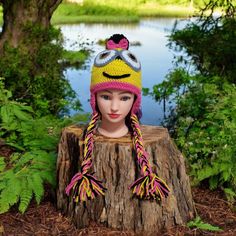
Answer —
45 219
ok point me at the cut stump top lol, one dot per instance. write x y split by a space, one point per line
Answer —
149 133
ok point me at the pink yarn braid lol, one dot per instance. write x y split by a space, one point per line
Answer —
148 185
85 185
142 155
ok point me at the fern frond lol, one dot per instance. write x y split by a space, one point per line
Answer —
24 159
2 164
15 157
4 207
198 223
36 183
6 115
10 194
8 174
43 156
20 113
49 177
230 194
25 198
2 185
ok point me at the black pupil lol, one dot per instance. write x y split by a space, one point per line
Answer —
104 55
132 57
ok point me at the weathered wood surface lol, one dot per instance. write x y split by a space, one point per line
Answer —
115 165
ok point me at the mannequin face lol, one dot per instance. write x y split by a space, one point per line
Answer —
114 105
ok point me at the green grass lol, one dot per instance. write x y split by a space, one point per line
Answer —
156 10
94 19
115 12
91 13
74 58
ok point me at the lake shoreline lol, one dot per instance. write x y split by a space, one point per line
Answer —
73 13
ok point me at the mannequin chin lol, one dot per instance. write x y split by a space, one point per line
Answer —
114 105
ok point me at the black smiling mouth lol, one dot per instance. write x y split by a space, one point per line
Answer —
115 76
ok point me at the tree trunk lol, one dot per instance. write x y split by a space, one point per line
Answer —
19 15
115 164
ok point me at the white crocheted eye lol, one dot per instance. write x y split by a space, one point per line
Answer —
105 57
130 59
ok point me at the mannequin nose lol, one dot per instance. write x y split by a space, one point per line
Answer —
114 106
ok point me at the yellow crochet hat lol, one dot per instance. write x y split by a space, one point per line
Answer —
116 68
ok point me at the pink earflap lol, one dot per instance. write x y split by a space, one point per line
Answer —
124 44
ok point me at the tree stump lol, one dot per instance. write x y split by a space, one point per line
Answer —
114 163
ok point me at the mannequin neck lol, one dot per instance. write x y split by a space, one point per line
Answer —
113 130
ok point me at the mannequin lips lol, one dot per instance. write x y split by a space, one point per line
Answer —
113 116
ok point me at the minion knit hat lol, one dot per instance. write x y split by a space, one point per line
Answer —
116 68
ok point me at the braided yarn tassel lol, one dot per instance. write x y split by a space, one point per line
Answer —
84 185
149 185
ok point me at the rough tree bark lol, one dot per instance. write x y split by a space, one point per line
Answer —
18 14
115 164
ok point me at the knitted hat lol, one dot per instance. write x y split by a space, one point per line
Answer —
116 68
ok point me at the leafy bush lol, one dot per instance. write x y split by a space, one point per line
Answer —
203 124
34 141
36 77
202 117
209 41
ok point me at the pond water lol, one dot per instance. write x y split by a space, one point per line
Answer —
156 58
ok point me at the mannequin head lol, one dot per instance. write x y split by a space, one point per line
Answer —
114 106
116 68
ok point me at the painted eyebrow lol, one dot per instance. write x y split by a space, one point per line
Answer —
106 91
122 92
125 92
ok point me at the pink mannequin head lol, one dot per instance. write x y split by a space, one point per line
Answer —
114 106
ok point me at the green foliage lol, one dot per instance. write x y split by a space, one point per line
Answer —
230 194
25 177
202 117
203 124
210 41
125 3
74 58
111 11
33 73
156 10
34 140
206 131
199 224
1 18
94 11
94 8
